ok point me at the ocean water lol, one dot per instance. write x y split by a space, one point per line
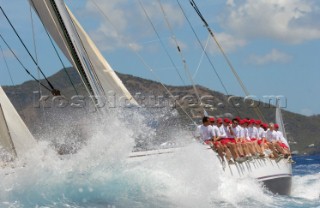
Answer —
100 175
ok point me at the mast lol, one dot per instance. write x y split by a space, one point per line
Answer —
97 75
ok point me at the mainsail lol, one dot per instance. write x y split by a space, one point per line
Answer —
15 137
99 78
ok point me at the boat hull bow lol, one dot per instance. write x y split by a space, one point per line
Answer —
279 185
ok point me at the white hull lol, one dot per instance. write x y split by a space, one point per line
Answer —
276 176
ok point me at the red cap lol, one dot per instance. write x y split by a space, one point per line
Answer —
265 125
219 120
226 120
276 126
211 119
243 121
252 121
258 122
238 118
246 120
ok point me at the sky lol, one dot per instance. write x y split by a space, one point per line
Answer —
274 45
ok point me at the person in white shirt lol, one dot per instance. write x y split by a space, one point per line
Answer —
216 138
244 138
282 141
252 131
236 134
280 136
205 131
222 136
208 134
215 129
253 134
258 124
223 133
273 142
262 142
229 140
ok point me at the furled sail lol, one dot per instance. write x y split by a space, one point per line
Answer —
97 75
15 137
279 119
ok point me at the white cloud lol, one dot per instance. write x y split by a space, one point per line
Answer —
130 20
230 3
228 43
274 56
291 21
135 46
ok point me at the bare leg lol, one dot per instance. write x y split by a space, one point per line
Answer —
239 148
232 148
280 149
258 148
262 148
252 148
220 151
228 153
245 148
274 152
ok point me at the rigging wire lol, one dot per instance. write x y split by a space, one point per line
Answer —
63 65
36 56
201 58
203 49
7 66
53 90
161 42
193 4
34 39
185 66
28 72
205 52
69 43
11 79
143 61
55 49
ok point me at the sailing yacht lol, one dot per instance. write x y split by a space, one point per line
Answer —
100 79
15 137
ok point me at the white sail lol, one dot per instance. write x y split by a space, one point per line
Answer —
96 73
15 137
6 143
108 78
279 119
